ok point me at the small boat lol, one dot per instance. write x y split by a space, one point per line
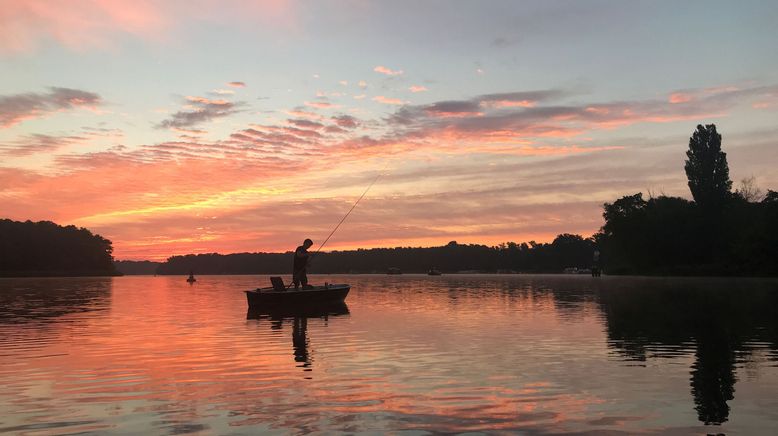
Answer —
394 271
191 279
302 297
434 272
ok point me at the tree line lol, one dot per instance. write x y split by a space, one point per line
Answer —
47 249
565 251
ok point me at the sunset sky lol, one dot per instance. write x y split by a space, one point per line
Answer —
174 127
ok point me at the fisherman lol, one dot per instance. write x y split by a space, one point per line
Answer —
301 258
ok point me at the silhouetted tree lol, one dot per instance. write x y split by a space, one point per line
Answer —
46 249
706 167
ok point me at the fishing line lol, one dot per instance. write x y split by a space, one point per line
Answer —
349 212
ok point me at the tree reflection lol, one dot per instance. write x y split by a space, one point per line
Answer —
716 317
713 376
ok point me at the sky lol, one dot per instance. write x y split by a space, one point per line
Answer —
175 127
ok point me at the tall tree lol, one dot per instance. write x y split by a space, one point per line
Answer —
706 167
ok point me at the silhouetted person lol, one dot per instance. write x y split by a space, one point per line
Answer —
191 278
596 263
299 269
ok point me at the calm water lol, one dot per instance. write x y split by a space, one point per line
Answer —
417 354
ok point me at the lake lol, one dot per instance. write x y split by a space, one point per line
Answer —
414 354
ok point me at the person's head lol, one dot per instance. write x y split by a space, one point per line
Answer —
307 243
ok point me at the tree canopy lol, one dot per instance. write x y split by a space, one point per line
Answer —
706 167
47 249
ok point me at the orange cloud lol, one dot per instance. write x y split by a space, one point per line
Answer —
321 104
680 97
387 100
388 71
418 88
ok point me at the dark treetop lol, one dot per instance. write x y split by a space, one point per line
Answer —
706 167
47 249
719 233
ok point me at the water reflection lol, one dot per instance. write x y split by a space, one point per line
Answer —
714 318
517 354
299 319
45 299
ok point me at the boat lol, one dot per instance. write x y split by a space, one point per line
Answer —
310 296
393 271
191 279
434 272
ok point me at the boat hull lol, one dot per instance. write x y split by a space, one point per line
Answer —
301 298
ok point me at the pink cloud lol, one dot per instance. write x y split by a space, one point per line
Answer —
321 105
680 97
418 88
387 100
388 71
237 84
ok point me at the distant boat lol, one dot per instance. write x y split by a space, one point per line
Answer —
191 278
393 271
434 272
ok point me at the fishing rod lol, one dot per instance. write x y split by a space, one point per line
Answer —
347 214
341 221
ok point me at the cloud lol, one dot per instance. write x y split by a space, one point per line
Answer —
453 109
519 99
387 100
680 97
19 107
200 110
529 115
42 143
418 88
362 84
321 104
237 84
346 121
304 123
388 71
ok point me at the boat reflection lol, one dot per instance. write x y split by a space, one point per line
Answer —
299 317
